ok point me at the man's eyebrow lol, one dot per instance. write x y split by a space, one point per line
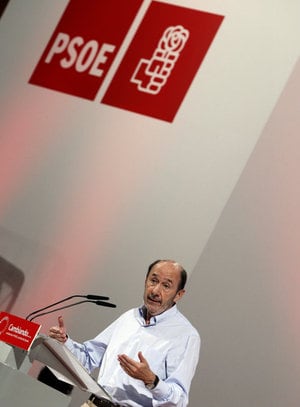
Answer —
167 279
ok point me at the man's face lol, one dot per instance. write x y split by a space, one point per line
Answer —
161 288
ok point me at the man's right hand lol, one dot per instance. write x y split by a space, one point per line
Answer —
59 332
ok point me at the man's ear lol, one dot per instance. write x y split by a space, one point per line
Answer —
179 295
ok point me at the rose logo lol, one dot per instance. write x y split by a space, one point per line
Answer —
152 74
174 39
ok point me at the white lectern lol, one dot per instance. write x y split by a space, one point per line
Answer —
17 388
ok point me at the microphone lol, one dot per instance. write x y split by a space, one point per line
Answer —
88 296
94 297
98 302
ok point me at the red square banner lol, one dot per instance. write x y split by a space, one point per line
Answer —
17 331
84 45
162 60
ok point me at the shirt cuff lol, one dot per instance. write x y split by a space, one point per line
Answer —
161 391
69 343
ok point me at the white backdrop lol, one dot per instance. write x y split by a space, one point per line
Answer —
91 194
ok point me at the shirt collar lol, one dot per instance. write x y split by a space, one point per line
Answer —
156 319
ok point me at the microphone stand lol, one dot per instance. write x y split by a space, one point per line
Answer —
89 297
105 304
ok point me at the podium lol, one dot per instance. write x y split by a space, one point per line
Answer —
17 388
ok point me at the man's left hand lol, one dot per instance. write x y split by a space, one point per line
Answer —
138 370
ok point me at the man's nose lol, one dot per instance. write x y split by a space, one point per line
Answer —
156 289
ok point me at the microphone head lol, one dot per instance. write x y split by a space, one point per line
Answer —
96 297
105 304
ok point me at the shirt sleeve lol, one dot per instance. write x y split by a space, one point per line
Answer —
90 353
174 390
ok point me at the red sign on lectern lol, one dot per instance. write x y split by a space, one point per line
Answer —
17 331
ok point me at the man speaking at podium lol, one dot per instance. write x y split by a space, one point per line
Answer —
148 356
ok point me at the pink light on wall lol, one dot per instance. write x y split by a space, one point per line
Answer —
110 176
285 201
23 144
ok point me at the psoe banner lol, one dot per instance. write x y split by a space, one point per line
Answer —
159 65
17 331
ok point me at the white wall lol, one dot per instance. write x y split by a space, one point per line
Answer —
90 195
246 283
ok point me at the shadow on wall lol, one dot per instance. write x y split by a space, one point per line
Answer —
11 282
3 4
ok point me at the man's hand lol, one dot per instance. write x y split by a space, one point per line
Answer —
59 332
138 370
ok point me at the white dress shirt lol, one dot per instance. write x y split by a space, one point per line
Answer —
170 344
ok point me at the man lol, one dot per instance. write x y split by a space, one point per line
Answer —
148 356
